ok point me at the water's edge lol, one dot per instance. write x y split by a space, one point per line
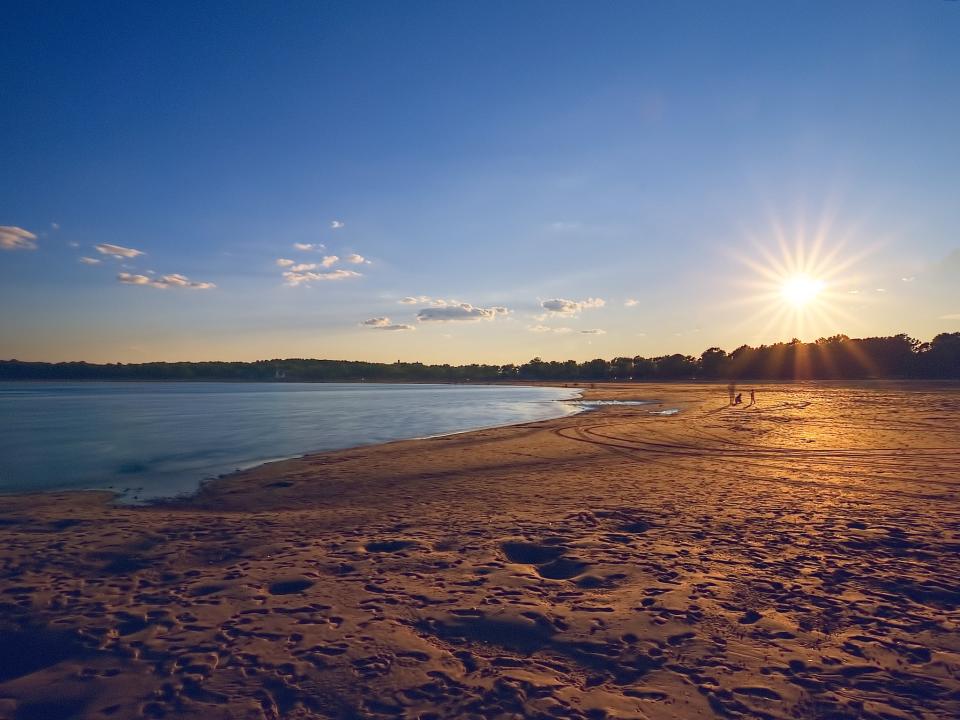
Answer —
566 406
577 400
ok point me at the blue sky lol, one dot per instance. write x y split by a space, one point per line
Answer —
485 160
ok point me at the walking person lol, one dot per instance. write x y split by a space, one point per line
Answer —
753 397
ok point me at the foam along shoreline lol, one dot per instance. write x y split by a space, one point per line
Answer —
722 561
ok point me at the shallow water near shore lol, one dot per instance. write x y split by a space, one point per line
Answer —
152 440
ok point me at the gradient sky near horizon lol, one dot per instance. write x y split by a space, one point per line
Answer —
458 182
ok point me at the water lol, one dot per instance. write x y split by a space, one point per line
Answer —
149 440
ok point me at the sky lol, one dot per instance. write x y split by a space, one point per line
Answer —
473 182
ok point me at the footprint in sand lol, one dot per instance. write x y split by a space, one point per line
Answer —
548 560
562 569
289 587
388 546
526 553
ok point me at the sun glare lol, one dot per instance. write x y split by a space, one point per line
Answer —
799 282
800 290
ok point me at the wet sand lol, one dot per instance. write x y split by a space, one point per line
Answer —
795 559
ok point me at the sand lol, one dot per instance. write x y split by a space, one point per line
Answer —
799 558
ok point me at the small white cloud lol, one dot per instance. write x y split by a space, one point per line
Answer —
54 226
285 262
73 244
307 247
630 302
908 279
951 316
357 259
329 260
595 331
383 323
303 267
336 224
305 278
415 300
174 280
560 306
131 279
90 261
853 292
16 238
117 251
881 289
462 312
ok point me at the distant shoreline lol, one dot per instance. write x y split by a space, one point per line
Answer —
582 384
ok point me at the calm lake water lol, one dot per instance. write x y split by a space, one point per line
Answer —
148 440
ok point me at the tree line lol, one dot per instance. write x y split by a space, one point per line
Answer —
833 358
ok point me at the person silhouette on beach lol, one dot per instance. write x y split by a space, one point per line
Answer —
738 399
753 397
731 389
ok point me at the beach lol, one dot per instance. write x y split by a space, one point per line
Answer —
797 558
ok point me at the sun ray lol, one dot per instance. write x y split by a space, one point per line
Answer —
799 281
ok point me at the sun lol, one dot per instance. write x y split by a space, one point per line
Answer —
799 282
801 290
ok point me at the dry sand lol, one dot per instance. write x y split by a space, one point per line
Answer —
799 558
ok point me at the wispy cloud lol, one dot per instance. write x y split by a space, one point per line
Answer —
54 226
329 260
305 278
337 224
548 329
307 247
462 312
565 226
951 316
90 261
357 259
908 279
16 238
174 280
630 302
286 262
117 251
595 331
560 306
415 300
383 323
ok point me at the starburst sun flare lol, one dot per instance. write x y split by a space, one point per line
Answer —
800 290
